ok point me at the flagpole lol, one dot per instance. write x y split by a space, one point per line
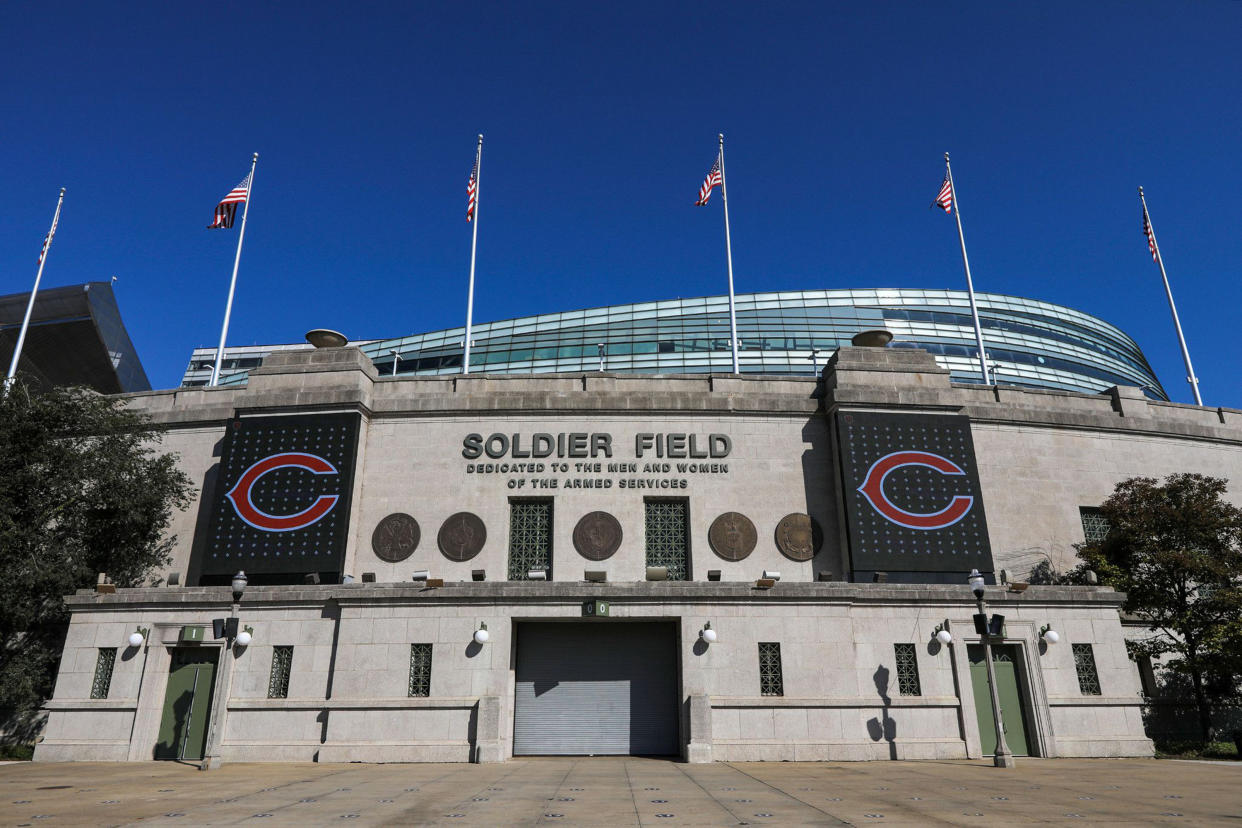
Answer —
21 337
724 196
970 285
1190 371
228 308
474 243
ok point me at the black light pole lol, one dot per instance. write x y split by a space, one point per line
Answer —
1002 758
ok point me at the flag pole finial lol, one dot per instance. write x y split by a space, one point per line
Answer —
256 157
946 157
1140 189
62 190
480 137
721 137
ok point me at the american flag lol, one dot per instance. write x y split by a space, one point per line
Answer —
472 190
713 179
1150 234
226 210
944 200
47 242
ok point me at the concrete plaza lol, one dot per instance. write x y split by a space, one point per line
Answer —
626 791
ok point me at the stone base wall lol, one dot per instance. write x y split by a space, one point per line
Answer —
842 700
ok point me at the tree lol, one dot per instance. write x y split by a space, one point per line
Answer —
83 490
1175 549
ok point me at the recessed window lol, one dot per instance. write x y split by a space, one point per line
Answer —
282 663
907 670
1084 665
1094 525
530 538
104 664
771 680
420 669
667 537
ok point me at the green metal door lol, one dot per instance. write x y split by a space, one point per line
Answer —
1008 688
187 706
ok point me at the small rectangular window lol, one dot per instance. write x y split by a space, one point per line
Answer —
420 669
282 662
103 672
667 537
771 680
1094 525
907 670
530 538
1084 664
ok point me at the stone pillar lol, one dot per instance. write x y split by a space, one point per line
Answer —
488 746
699 745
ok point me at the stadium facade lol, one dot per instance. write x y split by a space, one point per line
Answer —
1030 343
722 567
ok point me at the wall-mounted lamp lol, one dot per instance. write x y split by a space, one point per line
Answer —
772 574
245 636
1047 633
942 634
537 575
420 575
657 573
481 635
138 636
595 576
707 633
478 574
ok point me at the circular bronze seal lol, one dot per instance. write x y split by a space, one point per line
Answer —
395 538
597 536
462 536
732 536
798 536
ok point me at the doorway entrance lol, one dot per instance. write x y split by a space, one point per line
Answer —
596 688
187 705
1012 698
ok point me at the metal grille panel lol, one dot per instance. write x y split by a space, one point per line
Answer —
771 680
907 670
1094 525
420 669
530 538
282 663
103 672
667 539
1084 665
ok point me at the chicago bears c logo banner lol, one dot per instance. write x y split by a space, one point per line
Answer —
283 496
911 490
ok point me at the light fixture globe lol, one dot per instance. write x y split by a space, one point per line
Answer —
944 637
976 583
239 585
707 633
244 638
1049 635
136 639
481 635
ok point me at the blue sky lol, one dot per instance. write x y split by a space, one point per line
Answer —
600 124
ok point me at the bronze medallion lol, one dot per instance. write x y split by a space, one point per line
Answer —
462 536
798 536
597 536
395 538
732 536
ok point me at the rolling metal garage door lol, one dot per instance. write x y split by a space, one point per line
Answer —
598 688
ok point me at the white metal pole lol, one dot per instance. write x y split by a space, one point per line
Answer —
21 336
1190 371
474 242
970 285
724 196
228 308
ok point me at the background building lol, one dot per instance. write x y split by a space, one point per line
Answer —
1030 343
76 337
